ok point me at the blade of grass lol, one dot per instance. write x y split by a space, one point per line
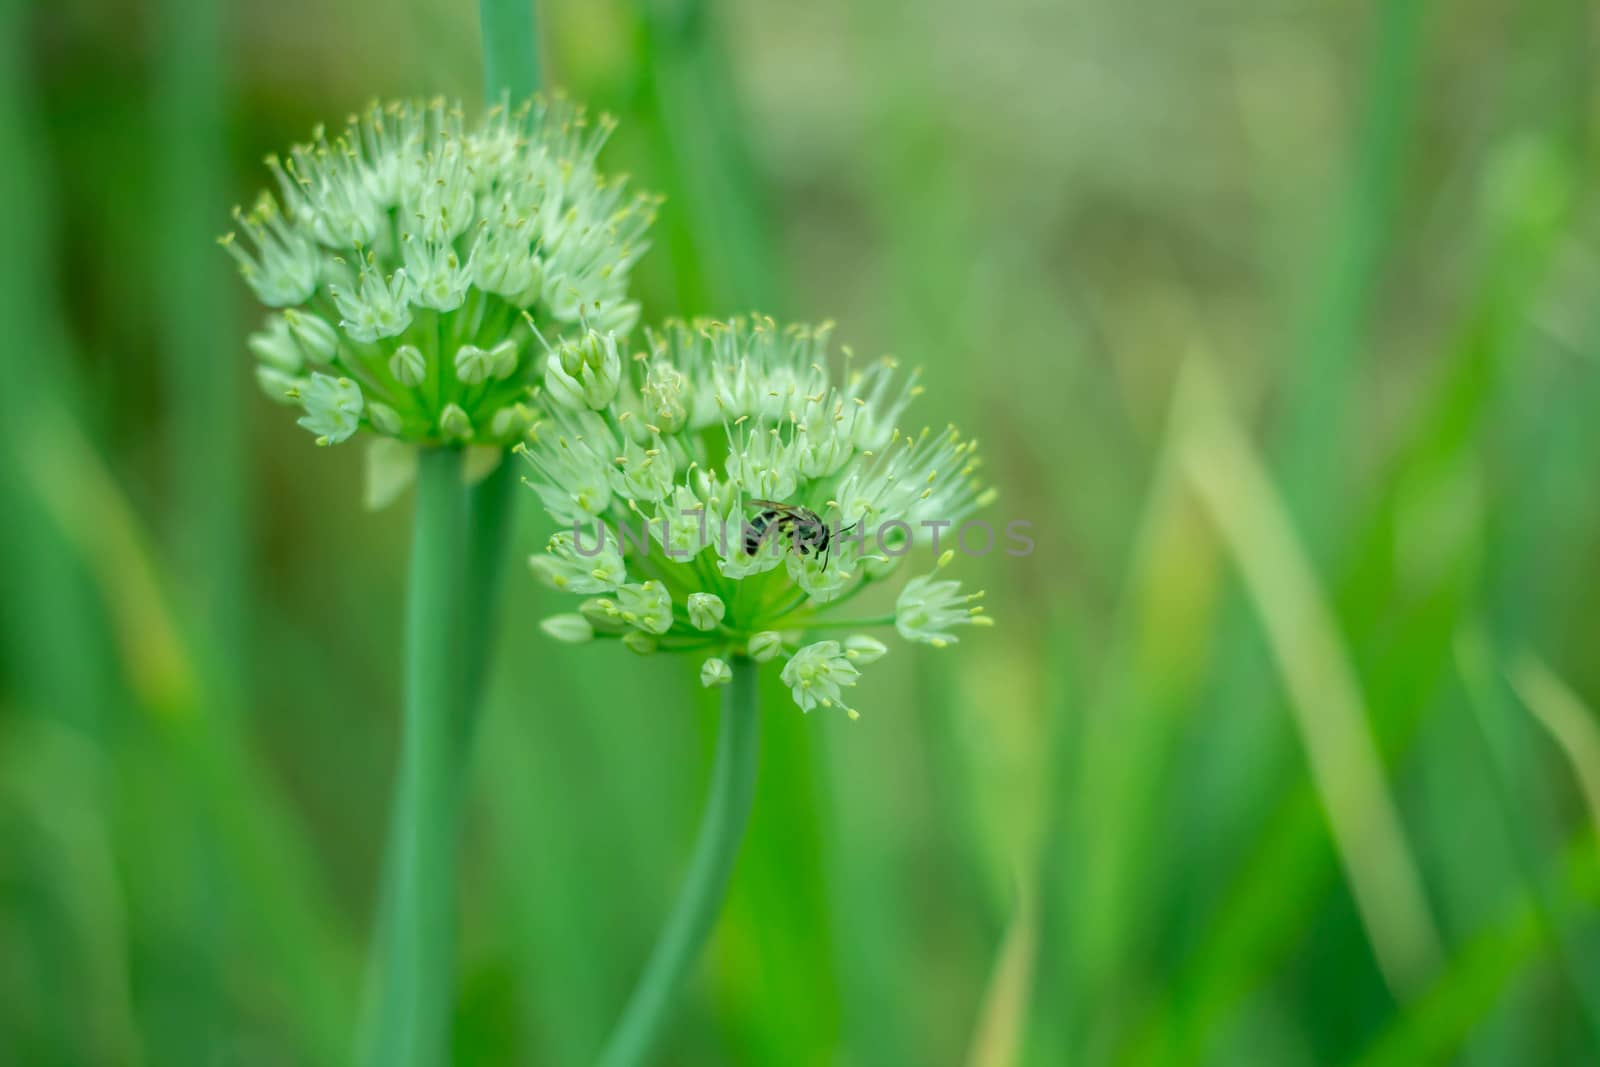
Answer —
715 228
1530 836
261 850
1003 1015
1572 724
1329 340
1324 694
204 446
1435 1025
1405 645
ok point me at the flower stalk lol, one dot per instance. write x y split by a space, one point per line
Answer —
416 967
733 777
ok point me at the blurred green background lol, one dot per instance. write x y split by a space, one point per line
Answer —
1277 318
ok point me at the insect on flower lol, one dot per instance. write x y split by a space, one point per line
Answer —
808 534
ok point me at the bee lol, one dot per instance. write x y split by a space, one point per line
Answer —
806 531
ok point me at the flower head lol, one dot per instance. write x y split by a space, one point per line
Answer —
728 491
417 260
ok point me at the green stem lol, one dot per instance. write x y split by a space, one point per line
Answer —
510 49
834 624
491 506
511 66
417 949
733 776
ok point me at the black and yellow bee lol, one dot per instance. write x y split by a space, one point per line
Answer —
808 534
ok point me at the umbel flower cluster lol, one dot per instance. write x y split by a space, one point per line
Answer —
414 258
726 492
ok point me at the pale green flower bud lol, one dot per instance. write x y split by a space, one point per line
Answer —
765 645
569 355
332 408
503 360
384 418
454 423
585 372
408 365
647 605
281 387
601 611
472 365
706 610
276 347
511 421
318 340
640 642
864 650
572 629
714 672
475 365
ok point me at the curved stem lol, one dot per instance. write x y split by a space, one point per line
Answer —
733 776
417 950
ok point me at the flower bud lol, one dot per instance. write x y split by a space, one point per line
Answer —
640 642
765 645
510 421
473 365
276 384
384 418
276 347
585 372
601 611
503 360
454 424
714 672
863 649
317 338
408 365
706 610
573 629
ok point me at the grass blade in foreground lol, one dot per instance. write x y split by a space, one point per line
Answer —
1324 694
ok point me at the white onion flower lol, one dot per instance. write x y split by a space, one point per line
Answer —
416 261
669 467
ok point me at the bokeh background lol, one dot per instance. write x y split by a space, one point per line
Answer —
1277 318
